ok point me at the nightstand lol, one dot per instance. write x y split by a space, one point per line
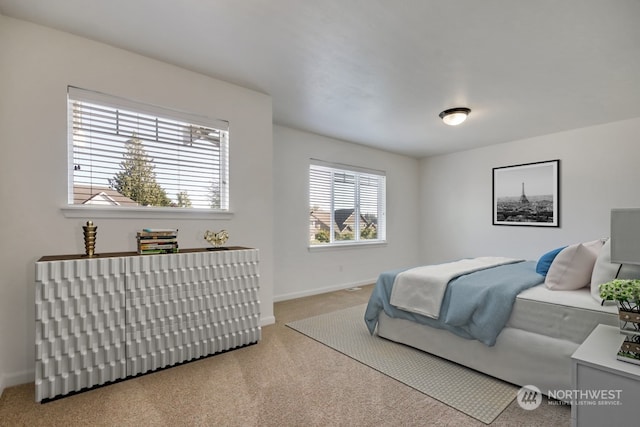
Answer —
608 390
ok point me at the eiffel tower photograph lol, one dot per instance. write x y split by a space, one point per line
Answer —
527 194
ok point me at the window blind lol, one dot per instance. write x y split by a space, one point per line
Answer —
125 153
346 204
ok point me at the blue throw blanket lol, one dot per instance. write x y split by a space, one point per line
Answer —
475 306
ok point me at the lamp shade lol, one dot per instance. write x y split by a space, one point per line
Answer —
625 236
454 116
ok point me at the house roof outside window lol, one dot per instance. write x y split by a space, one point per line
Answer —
92 195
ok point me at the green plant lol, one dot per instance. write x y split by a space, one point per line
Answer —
368 233
322 236
345 235
625 292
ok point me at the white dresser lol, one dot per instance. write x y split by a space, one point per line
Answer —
112 316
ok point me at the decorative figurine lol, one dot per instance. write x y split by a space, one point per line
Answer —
90 231
216 239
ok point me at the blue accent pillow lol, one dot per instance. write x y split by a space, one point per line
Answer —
546 260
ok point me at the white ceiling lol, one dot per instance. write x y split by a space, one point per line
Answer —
378 72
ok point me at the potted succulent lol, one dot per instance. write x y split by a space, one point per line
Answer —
625 291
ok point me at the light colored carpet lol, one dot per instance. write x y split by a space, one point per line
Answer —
477 395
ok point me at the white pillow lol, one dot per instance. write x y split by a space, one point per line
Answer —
605 271
573 267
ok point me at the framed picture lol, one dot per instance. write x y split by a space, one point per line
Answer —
527 194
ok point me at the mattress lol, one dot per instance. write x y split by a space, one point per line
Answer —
566 315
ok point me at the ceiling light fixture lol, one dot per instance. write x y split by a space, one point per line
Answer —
455 116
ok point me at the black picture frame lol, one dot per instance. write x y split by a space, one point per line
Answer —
527 194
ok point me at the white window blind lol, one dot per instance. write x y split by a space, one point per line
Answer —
346 204
127 154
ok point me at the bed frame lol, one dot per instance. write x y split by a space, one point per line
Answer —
519 357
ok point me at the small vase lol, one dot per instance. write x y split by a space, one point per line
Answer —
90 232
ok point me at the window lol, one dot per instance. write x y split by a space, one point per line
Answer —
346 205
127 154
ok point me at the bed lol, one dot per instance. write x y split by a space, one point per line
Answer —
530 344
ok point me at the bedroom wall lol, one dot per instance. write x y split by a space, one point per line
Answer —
598 171
37 65
299 271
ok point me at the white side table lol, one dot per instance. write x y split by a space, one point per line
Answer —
608 390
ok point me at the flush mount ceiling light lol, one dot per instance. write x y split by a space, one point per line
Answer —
455 116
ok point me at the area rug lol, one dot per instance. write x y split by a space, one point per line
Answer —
477 395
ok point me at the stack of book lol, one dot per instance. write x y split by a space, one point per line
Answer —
157 241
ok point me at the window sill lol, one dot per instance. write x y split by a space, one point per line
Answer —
320 248
83 211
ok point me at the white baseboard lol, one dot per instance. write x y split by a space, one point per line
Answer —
308 293
9 380
264 321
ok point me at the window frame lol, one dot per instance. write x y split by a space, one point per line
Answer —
71 210
381 206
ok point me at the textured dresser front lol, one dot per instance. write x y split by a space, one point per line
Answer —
189 305
103 319
80 325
